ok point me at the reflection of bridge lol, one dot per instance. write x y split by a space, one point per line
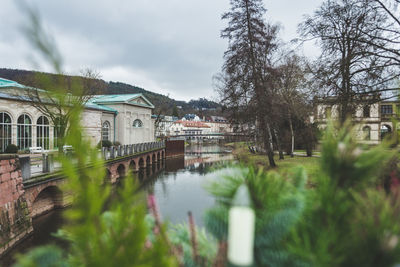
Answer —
203 136
210 135
199 153
21 200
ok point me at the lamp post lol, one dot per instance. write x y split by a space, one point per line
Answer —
241 229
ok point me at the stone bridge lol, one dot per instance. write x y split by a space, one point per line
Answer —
23 199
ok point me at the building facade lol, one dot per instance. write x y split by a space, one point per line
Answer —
373 121
127 120
163 127
190 130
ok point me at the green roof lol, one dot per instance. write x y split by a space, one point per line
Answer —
124 98
9 83
100 107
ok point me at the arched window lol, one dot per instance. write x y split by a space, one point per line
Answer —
137 123
5 131
105 131
42 132
367 133
24 132
385 130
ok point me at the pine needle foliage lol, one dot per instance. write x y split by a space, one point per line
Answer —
179 236
348 221
278 204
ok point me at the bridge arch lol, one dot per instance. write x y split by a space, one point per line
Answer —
47 199
162 154
107 176
148 160
121 170
153 157
141 163
133 166
158 156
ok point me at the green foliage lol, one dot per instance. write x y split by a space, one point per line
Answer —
278 204
206 245
347 221
116 143
46 256
12 149
104 143
345 162
175 112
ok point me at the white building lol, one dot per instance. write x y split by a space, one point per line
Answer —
218 125
123 118
374 121
164 125
191 130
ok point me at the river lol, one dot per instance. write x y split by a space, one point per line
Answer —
177 184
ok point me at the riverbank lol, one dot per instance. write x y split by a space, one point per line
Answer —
243 155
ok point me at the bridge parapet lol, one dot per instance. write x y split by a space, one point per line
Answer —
115 152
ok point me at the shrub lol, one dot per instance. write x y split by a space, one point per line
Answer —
12 149
104 143
116 143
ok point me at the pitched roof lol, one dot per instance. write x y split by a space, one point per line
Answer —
124 98
4 83
195 124
9 83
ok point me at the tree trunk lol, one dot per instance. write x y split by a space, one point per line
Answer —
268 144
309 142
292 135
278 144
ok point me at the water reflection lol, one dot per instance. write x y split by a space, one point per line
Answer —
43 226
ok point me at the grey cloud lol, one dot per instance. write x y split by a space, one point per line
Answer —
174 43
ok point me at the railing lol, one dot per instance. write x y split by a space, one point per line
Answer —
126 150
33 165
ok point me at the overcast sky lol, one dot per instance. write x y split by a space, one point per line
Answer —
165 46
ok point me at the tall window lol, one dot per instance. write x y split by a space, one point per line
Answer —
137 123
5 131
367 133
24 132
57 127
366 111
105 131
328 112
42 132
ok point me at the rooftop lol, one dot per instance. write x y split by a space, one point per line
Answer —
9 83
123 98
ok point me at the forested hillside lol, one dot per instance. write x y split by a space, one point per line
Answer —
163 104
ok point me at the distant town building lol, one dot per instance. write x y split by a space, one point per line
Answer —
190 130
191 117
193 128
163 125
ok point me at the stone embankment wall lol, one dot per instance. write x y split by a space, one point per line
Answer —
15 220
174 148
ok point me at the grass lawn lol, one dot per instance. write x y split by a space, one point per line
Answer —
311 164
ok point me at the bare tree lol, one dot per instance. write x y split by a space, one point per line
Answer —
247 60
62 94
291 79
349 68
